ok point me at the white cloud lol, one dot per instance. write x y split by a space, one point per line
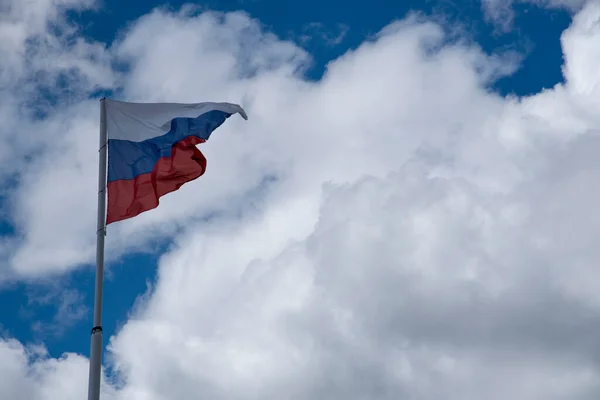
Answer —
501 12
28 373
46 68
392 231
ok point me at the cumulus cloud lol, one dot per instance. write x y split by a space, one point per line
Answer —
28 373
43 60
46 67
394 230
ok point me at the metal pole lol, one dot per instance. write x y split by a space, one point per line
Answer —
96 341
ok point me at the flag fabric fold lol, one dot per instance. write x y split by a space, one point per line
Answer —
152 150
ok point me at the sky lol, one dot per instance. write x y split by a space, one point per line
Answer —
408 213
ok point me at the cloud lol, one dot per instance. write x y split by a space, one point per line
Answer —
427 242
502 13
28 373
394 230
47 72
317 31
280 147
69 309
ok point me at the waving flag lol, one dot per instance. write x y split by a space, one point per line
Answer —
152 150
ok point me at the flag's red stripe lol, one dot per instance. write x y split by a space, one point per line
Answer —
128 198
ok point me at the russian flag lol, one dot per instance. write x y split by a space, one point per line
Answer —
152 150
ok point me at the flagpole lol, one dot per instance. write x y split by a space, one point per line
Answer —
96 339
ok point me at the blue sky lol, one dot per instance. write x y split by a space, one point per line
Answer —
29 312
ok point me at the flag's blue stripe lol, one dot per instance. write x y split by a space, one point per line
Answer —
127 159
